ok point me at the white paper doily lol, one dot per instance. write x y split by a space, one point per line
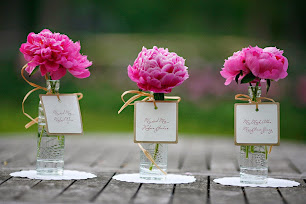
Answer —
235 181
170 179
68 175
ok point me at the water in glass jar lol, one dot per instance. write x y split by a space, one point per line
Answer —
149 171
50 153
254 169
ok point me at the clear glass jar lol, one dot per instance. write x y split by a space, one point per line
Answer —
253 160
159 153
50 148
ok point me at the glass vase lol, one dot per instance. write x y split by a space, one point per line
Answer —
50 148
253 159
159 153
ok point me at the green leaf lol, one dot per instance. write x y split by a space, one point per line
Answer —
237 76
34 71
268 85
248 78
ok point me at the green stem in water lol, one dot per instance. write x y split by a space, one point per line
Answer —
266 152
154 156
255 90
157 97
246 151
254 98
53 87
252 149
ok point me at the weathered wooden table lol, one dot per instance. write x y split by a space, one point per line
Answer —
205 158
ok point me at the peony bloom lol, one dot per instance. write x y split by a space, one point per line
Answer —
158 70
54 53
259 64
267 63
233 66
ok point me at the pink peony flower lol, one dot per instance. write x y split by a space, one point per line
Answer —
55 53
263 64
158 70
233 66
268 63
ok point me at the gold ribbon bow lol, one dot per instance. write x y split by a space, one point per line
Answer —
243 97
37 87
149 97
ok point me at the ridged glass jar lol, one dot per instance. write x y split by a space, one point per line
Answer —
50 148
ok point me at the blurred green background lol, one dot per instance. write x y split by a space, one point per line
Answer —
112 34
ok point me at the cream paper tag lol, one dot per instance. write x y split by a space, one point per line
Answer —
63 117
260 127
156 125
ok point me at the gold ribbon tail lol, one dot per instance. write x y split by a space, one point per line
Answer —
80 95
150 158
270 150
37 87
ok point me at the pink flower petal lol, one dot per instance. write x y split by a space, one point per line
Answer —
158 70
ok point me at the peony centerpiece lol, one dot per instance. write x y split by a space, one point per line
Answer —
156 71
53 54
254 65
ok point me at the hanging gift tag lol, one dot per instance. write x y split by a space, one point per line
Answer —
62 114
257 127
155 125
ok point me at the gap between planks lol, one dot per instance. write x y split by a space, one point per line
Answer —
6 180
208 191
172 195
102 189
131 201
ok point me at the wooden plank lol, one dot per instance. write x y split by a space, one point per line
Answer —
224 157
118 192
23 159
279 164
220 194
295 195
4 176
264 195
131 160
45 191
84 190
154 193
197 157
176 155
294 153
13 188
17 153
122 157
191 193
83 155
